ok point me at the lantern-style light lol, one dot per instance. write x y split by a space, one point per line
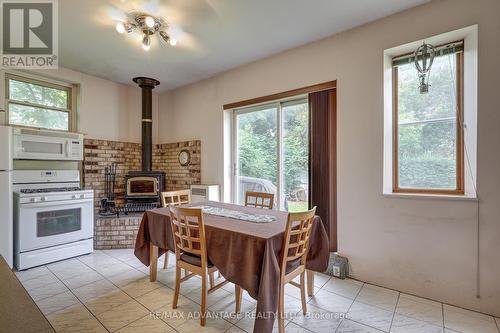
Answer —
424 57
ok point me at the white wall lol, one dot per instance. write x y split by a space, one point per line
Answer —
420 246
106 110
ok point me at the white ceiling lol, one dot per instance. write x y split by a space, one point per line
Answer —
217 34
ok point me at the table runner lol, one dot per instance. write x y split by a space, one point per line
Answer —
236 214
246 254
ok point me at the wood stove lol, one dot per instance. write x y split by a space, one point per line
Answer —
143 188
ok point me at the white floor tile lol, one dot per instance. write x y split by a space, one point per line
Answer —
95 289
147 324
68 268
109 270
331 302
403 324
227 306
347 288
371 316
57 302
123 278
213 298
40 281
378 296
75 319
122 315
212 325
32 273
48 290
420 309
247 324
467 321
349 326
294 328
107 301
293 291
82 279
236 329
157 298
317 320
140 287
186 310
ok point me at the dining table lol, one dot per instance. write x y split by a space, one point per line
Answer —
244 243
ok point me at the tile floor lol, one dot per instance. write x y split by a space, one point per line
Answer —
109 291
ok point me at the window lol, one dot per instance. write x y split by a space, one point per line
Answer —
428 153
271 152
38 104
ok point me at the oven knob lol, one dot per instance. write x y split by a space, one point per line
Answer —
82 196
74 196
43 198
32 200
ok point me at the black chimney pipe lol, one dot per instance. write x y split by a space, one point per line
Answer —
147 85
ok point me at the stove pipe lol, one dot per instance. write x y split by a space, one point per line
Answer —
147 85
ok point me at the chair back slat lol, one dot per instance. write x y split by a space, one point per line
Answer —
188 230
296 239
175 198
259 199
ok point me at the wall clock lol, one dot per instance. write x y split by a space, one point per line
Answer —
184 157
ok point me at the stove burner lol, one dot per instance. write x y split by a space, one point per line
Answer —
46 190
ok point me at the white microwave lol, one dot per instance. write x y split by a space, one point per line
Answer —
33 144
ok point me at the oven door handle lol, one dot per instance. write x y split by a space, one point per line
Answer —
53 203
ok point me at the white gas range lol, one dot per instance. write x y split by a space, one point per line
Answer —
53 217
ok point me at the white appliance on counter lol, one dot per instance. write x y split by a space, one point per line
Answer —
6 226
35 144
204 193
53 217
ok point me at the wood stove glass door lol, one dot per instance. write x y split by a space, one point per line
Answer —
140 186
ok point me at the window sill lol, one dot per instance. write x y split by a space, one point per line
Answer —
461 197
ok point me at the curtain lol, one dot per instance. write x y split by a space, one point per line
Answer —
322 160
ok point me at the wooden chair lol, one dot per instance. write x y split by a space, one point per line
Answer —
292 261
259 199
174 198
188 230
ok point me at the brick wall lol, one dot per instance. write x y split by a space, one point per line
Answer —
101 153
121 232
178 177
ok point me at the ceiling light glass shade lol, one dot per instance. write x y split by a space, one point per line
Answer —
120 27
146 43
150 22
173 42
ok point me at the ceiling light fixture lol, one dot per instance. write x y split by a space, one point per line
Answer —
148 25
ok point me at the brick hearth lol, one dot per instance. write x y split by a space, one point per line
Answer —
116 232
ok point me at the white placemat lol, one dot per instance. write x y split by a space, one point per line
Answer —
235 214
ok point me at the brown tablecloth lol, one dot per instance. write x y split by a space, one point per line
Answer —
245 253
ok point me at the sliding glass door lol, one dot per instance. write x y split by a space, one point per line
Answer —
271 153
